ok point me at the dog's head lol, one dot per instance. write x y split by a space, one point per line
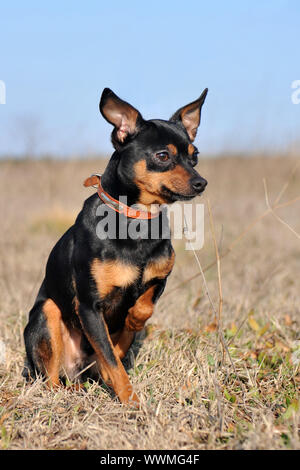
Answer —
156 157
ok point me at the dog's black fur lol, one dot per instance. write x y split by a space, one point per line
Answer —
98 292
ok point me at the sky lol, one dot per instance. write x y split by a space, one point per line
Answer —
57 57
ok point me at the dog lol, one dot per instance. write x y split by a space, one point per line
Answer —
98 292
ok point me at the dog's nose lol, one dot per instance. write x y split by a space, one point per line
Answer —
199 184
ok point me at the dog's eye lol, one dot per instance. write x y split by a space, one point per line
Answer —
163 156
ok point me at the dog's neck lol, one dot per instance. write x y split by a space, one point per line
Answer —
118 187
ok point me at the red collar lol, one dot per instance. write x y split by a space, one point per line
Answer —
116 205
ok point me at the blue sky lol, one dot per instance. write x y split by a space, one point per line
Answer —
56 58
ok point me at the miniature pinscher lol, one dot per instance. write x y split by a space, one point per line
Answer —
99 291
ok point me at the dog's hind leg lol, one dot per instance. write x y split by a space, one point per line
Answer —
43 342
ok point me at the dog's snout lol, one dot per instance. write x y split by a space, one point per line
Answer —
199 184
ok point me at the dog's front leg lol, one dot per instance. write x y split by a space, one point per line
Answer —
137 317
109 363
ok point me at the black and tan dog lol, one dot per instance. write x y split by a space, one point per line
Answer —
98 292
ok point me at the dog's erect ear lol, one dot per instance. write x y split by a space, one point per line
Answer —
126 119
190 115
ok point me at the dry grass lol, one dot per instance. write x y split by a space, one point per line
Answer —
193 395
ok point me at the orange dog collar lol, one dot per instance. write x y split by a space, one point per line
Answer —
118 206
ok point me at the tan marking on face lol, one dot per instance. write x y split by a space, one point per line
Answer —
150 183
113 273
141 311
172 148
191 149
177 180
159 268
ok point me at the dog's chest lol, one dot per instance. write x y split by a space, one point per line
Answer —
112 274
120 284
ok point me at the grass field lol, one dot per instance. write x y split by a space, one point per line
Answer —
197 392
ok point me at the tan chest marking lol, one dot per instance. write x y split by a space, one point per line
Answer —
159 268
110 274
